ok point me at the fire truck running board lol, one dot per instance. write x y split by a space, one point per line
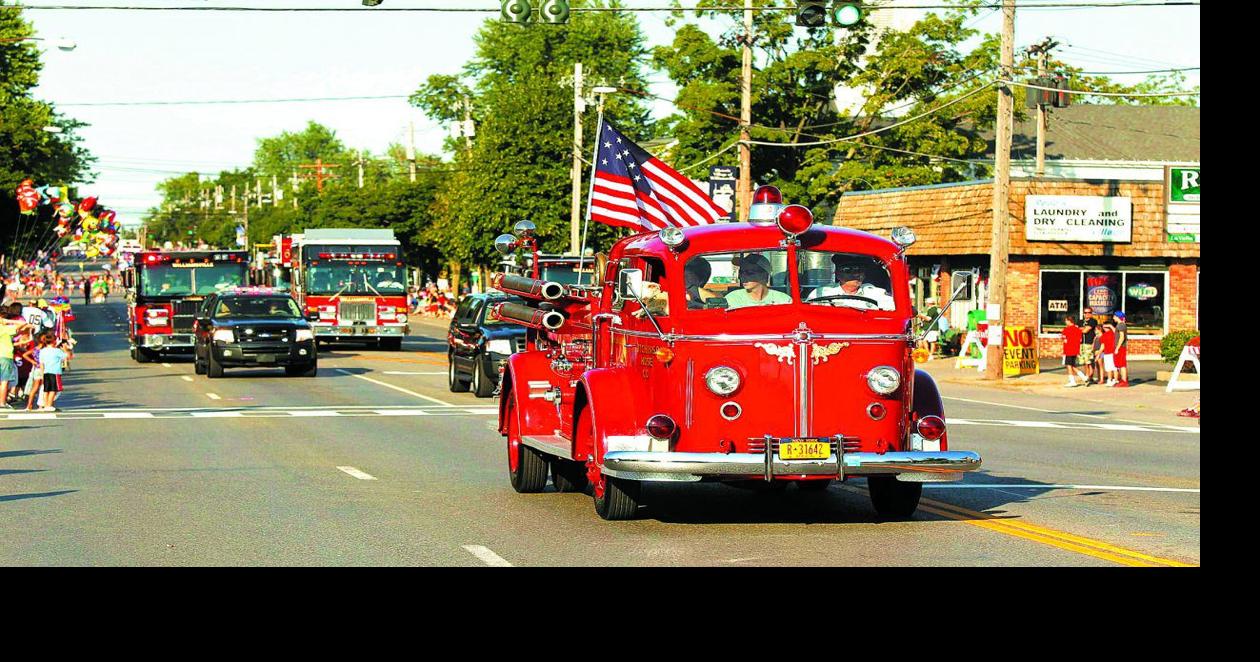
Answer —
550 444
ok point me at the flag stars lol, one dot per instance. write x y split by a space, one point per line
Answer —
637 178
632 165
603 162
607 145
619 157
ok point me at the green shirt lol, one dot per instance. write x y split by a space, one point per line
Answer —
7 332
740 299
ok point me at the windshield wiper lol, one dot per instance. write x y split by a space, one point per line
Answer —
343 289
369 285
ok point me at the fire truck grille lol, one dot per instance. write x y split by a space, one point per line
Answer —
357 312
847 444
184 318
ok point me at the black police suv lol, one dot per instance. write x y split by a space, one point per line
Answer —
477 344
252 327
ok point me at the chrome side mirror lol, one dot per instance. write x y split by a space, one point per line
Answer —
629 283
523 229
961 281
505 244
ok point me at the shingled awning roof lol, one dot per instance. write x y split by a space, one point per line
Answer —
1090 132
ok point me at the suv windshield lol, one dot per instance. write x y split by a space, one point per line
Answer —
730 281
273 307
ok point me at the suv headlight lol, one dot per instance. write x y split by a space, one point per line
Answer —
722 380
223 335
499 346
884 380
304 334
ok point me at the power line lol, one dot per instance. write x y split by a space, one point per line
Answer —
1103 94
576 10
203 102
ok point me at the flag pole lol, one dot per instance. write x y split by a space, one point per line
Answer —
586 223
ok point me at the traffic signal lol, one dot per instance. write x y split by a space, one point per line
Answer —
555 11
811 14
846 13
517 11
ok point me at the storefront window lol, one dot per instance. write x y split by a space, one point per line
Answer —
1140 294
1060 297
1144 302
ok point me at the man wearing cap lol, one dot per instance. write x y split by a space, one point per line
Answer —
851 282
754 275
1121 357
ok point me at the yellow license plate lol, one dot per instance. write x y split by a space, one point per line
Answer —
804 449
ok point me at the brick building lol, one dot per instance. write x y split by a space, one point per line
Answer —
1103 231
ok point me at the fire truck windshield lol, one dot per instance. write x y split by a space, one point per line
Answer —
167 280
729 281
370 278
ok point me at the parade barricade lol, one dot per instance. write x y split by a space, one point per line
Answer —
1189 354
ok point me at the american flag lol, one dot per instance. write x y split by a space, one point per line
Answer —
634 189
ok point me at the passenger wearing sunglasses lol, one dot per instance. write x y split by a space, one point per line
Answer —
851 289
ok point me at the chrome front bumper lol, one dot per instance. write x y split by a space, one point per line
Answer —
167 341
910 466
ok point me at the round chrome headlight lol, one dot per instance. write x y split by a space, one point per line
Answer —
722 380
883 380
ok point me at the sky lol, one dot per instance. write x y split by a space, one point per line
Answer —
180 56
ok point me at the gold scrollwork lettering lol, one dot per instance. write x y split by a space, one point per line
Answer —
821 353
781 352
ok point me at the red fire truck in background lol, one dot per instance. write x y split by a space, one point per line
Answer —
351 283
164 289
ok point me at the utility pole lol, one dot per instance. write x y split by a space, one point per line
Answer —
1000 238
319 175
575 210
294 185
359 162
275 191
1043 52
467 129
744 195
411 149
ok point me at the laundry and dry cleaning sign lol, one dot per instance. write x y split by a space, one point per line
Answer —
1078 218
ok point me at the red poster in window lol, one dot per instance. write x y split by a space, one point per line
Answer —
1102 292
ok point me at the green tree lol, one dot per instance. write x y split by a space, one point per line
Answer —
27 151
518 166
283 154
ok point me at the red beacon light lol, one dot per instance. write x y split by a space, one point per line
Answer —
795 219
766 203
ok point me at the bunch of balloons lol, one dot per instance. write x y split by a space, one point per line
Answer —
97 230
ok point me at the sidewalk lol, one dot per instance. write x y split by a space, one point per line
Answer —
1144 393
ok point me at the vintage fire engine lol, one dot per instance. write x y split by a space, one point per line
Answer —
725 352
164 290
352 284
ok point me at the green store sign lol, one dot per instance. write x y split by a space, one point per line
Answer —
1183 185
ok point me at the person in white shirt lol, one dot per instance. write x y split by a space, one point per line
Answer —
851 288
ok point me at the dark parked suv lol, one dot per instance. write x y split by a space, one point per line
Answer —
253 327
477 344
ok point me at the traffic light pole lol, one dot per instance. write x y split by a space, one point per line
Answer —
1000 237
575 210
745 117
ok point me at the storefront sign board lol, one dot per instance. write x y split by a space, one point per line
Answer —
1181 203
1078 218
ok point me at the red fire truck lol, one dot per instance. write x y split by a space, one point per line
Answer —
760 354
164 289
352 283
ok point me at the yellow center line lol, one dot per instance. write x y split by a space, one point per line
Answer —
1043 535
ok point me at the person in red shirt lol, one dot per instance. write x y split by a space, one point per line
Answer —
1109 352
1072 349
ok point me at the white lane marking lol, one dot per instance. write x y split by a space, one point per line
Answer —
357 474
404 372
186 378
1003 404
401 412
216 414
32 417
396 388
313 413
129 414
213 396
487 557
1071 426
166 365
1000 486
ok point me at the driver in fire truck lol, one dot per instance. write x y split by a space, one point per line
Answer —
851 284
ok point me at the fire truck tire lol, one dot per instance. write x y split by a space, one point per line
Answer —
482 386
620 500
453 380
391 344
530 474
214 369
568 476
141 355
894 499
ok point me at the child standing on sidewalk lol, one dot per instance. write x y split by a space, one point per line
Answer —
1109 352
53 358
35 379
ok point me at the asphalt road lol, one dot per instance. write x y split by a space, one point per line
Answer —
375 462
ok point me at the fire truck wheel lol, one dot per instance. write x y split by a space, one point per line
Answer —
454 381
813 486
141 355
482 386
568 476
391 344
894 499
527 468
214 369
619 500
